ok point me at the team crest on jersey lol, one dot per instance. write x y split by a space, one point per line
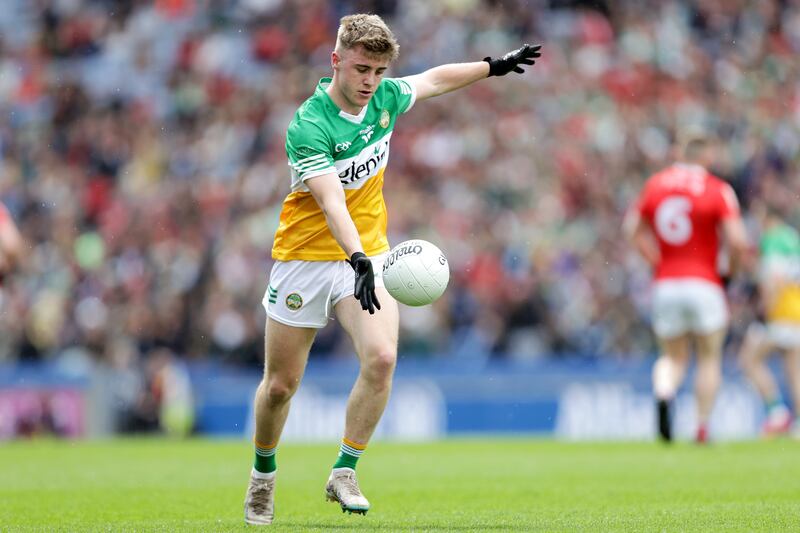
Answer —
384 122
294 301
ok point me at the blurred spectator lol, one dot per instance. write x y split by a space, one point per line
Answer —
157 398
143 157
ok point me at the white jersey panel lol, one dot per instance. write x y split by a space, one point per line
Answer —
355 171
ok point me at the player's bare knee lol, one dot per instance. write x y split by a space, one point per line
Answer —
280 391
379 365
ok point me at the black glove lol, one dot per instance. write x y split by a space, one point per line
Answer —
512 60
365 282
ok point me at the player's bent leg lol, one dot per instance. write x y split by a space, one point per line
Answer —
375 340
668 374
756 347
286 353
709 377
670 325
792 370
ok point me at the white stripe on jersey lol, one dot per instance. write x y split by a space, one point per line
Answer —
309 166
317 156
316 166
366 164
315 173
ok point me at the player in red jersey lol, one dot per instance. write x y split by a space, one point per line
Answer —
10 243
675 226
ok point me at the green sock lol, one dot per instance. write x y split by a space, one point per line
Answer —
349 452
265 459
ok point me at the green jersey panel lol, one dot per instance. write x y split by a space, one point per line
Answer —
780 252
308 149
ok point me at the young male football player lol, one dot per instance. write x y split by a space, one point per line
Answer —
684 207
331 242
779 289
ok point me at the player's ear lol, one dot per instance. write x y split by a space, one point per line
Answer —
335 60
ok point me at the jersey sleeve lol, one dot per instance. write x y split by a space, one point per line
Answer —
308 150
729 205
405 94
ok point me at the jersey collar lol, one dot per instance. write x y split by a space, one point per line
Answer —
355 119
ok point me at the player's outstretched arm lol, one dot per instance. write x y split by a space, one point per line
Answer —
328 192
446 78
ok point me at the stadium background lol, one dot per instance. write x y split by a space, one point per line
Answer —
142 155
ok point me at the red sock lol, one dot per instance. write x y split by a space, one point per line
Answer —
702 435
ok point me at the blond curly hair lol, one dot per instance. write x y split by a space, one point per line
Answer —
369 31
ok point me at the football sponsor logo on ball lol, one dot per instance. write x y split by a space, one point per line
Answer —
416 272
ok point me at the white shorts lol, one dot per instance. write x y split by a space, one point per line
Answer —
782 335
304 293
688 305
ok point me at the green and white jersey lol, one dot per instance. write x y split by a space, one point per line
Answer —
780 252
780 270
322 139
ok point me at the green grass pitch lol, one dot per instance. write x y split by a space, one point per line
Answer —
453 485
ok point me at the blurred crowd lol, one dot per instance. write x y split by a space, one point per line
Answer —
142 156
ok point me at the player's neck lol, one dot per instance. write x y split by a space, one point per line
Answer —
338 98
691 164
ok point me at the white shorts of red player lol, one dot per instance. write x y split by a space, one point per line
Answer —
688 305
